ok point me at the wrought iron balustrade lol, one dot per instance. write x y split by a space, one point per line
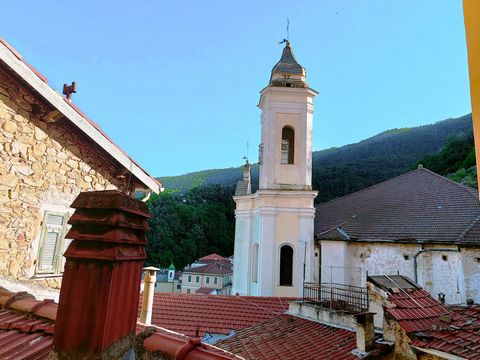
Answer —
353 299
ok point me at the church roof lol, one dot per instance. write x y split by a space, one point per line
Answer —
287 64
417 207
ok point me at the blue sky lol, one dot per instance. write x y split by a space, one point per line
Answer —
175 83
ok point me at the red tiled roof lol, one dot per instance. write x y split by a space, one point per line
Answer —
211 257
419 206
26 326
22 337
195 315
453 330
178 345
216 268
415 310
290 337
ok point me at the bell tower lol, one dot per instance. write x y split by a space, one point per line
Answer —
274 227
286 120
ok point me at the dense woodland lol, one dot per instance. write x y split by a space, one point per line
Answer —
195 215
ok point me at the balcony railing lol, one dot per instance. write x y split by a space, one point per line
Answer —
352 299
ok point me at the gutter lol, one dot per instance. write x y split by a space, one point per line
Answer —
415 264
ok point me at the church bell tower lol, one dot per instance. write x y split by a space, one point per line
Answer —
274 227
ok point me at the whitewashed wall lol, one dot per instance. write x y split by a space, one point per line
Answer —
457 276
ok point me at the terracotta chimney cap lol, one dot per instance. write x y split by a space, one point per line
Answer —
110 199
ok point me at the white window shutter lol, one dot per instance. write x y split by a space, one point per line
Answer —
53 232
50 243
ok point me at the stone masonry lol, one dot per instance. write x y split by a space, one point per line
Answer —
44 165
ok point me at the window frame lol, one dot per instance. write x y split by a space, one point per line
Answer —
287 136
291 263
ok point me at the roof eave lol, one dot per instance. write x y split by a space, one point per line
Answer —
33 79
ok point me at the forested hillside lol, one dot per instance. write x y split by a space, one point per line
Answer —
340 171
195 215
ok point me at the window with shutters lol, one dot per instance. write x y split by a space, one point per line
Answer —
52 243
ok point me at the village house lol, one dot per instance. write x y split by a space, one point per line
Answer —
211 274
50 152
168 280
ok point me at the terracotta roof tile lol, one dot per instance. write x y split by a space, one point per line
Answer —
290 337
454 330
419 206
195 315
178 346
23 337
211 257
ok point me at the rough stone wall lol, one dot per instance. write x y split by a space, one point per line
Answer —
44 165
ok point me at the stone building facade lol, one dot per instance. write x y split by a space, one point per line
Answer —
46 161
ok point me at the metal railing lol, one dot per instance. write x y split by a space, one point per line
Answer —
353 299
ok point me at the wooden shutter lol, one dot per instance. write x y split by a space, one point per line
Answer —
51 242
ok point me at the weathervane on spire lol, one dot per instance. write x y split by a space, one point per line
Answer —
288 33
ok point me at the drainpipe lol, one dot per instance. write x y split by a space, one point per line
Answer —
427 250
148 291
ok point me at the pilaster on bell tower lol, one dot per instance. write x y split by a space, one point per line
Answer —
287 118
273 253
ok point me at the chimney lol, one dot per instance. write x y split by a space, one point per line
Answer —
148 292
365 331
98 307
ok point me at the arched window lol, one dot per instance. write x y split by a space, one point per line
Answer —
288 145
255 263
286 265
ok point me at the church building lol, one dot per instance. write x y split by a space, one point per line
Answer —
274 226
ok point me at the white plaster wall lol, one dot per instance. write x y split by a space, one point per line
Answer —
266 274
281 107
471 269
241 253
334 259
379 259
448 277
458 277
